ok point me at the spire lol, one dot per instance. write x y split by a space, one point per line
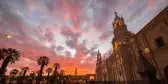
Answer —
99 59
115 13
122 18
116 16
118 21
98 54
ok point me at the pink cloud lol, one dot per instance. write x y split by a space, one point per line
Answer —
53 21
151 3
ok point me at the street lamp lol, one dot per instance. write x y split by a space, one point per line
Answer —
6 35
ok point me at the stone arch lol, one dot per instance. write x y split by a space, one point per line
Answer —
91 77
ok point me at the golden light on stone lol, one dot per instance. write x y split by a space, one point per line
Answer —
114 26
120 23
146 50
115 45
117 56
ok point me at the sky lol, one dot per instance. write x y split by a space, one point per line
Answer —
69 32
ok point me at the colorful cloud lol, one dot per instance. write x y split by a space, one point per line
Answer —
68 31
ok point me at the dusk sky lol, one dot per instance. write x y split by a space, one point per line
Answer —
69 32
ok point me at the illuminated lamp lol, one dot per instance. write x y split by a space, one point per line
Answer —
8 36
117 56
146 50
146 53
115 45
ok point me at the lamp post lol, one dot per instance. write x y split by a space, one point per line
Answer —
6 35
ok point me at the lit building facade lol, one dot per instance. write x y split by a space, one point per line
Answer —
137 57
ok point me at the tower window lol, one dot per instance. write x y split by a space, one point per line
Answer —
159 42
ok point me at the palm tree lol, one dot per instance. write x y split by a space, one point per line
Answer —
12 74
24 69
32 74
9 56
37 72
57 66
43 61
62 72
61 75
55 73
20 73
48 70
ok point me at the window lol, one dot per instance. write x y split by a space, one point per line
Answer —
159 42
120 73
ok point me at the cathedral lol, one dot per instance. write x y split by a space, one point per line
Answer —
137 57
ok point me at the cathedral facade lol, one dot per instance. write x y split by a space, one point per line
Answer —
137 57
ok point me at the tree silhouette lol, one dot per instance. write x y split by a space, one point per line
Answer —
8 56
37 72
57 66
48 70
24 69
20 73
32 74
55 73
62 72
43 61
13 72
61 76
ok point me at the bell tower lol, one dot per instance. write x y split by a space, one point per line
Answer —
99 59
99 67
121 53
118 21
120 29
